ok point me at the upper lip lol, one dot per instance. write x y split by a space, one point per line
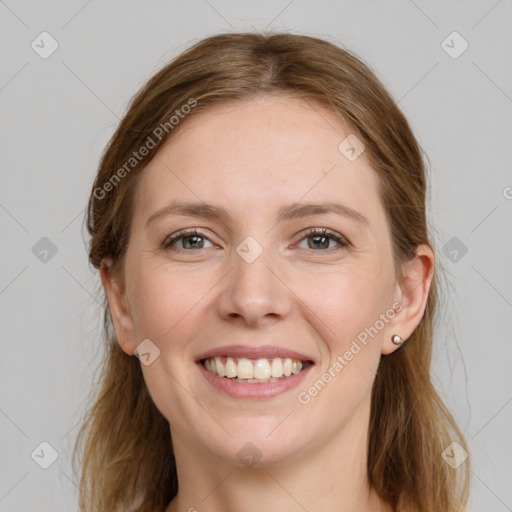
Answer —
254 352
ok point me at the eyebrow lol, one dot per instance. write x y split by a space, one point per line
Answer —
288 212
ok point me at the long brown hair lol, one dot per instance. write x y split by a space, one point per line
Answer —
127 461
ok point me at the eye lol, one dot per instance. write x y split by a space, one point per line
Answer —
318 239
191 239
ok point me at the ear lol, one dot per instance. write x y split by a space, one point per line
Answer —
412 293
119 310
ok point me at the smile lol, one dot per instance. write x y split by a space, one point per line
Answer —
254 371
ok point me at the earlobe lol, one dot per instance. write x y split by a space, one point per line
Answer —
413 291
119 312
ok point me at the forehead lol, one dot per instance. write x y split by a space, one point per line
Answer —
254 156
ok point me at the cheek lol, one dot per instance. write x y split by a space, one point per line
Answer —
342 310
346 305
167 303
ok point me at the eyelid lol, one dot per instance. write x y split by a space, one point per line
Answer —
341 240
183 233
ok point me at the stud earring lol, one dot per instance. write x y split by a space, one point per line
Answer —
397 340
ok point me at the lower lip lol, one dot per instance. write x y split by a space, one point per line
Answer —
253 391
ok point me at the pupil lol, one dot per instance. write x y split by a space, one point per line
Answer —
325 242
196 238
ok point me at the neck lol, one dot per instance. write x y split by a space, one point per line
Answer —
331 476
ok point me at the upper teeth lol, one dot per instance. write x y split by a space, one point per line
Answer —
260 369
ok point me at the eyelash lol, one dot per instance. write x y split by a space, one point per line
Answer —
311 232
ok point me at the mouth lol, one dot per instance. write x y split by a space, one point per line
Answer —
254 371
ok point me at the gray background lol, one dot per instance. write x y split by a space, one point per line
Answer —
58 113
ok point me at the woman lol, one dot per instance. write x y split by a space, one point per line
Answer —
258 221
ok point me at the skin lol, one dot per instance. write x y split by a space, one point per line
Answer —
252 158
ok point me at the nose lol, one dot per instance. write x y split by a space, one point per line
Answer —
253 294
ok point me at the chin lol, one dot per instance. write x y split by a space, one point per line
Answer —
256 442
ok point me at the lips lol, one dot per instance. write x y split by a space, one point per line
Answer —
238 362
262 352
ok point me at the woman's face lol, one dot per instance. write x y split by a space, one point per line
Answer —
255 284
